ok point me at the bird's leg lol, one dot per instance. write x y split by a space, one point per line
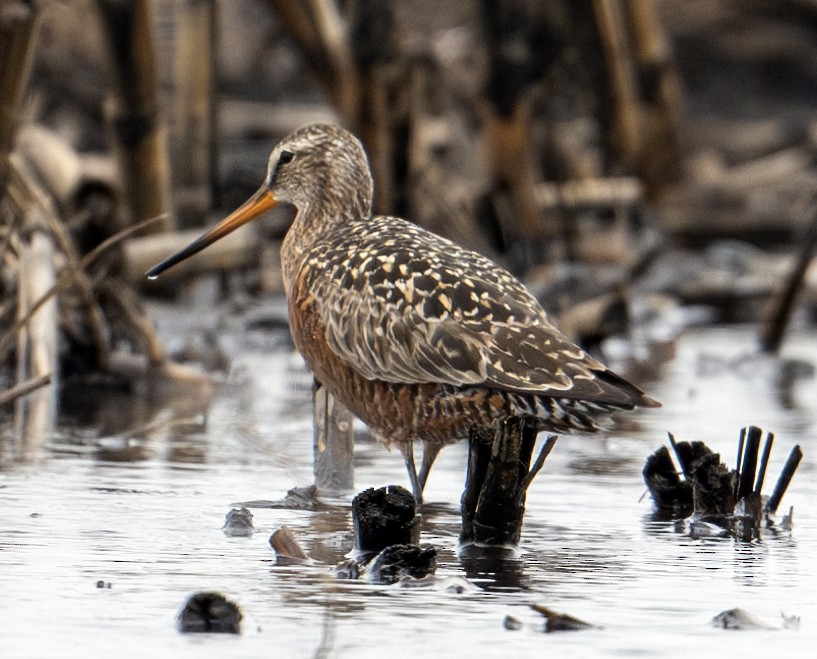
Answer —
430 453
407 450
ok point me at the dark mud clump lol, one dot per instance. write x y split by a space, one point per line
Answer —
209 612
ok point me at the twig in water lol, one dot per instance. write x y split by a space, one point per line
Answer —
544 452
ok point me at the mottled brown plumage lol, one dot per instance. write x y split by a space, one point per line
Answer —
421 338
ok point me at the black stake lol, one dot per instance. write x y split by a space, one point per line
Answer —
764 462
746 478
741 444
785 478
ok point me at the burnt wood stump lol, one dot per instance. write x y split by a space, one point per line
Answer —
712 492
498 477
386 522
383 517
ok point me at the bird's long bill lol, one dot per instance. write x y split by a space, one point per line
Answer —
259 203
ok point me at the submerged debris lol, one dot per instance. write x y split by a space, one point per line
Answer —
238 523
209 612
298 498
560 622
741 619
286 546
512 624
397 562
722 499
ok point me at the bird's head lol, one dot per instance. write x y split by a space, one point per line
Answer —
321 170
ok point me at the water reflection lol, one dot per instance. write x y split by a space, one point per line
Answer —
495 570
136 496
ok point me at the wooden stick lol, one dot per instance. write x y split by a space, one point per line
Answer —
536 467
612 192
23 388
36 279
322 35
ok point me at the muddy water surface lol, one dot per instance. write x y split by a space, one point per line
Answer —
102 537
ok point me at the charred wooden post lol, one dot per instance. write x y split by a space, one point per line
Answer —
746 474
499 474
383 517
783 482
713 484
728 498
398 561
387 529
18 36
333 448
138 129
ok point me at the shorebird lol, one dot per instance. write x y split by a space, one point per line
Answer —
422 339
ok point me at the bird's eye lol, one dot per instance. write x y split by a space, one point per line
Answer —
285 157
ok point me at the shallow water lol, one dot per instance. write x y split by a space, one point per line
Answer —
143 515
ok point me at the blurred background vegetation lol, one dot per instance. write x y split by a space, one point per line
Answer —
609 152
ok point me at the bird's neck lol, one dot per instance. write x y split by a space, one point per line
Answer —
310 225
